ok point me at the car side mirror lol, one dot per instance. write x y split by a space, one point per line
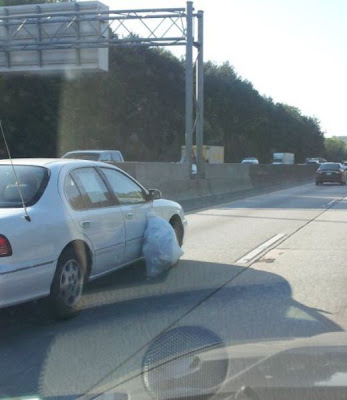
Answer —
154 194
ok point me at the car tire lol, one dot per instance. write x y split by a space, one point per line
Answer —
178 228
67 285
318 183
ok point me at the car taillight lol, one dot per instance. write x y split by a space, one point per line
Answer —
319 172
5 247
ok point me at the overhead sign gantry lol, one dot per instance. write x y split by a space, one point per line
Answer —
55 37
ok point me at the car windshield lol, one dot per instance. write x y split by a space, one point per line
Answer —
177 226
83 156
116 156
331 166
17 182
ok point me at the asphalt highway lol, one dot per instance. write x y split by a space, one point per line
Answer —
266 267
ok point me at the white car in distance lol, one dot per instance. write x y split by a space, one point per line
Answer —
250 160
96 155
80 220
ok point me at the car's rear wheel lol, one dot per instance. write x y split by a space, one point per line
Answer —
67 285
317 183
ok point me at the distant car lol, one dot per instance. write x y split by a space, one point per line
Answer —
96 155
81 220
331 172
250 160
344 164
313 162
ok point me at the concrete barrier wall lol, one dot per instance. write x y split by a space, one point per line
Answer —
227 178
174 181
265 175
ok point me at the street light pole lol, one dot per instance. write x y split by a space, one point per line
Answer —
200 97
189 87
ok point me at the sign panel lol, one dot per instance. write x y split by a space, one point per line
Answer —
53 37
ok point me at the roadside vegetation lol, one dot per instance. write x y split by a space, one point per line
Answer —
335 149
138 107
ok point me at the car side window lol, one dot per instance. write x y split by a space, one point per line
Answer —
93 189
105 157
126 190
73 194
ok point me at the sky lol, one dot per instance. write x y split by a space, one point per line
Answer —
293 51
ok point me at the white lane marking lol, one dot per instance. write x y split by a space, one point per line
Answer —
332 202
251 255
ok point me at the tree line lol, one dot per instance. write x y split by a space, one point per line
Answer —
336 148
138 107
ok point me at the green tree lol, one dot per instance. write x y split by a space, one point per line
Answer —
335 149
138 107
248 124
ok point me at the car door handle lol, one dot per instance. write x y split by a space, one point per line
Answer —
129 215
85 224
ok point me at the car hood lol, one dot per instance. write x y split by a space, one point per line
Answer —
312 370
319 361
293 365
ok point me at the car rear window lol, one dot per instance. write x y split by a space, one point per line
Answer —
83 156
30 182
330 166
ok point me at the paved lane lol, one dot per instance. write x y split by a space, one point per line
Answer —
294 289
227 232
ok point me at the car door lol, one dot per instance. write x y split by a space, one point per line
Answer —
97 217
135 207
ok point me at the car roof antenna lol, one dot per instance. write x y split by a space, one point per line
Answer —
26 215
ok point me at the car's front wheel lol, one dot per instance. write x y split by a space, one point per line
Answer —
67 285
178 228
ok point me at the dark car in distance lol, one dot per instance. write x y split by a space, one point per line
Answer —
331 172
